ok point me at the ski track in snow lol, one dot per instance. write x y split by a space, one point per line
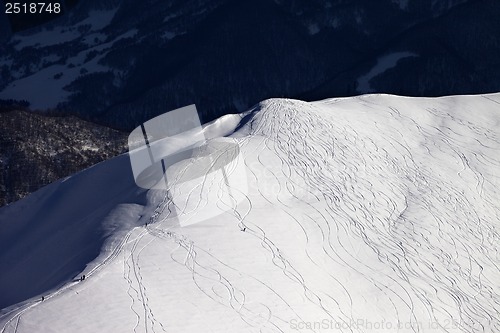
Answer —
353 196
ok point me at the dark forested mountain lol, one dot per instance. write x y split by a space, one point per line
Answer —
37 150
120 62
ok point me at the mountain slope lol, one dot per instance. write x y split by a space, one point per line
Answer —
360 212
38 150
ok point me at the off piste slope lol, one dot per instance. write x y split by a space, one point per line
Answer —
375 213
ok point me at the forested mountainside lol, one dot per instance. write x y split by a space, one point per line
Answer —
120 62
37 150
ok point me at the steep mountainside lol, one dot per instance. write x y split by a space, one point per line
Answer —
37 150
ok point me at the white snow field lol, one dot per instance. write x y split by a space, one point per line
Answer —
370 214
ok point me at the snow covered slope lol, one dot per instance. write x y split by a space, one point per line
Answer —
375 213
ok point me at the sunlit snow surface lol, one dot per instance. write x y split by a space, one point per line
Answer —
369 214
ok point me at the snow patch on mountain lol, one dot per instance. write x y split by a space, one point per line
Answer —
99 19
6 61
439 6
49 83
403 4
383 63
313 28
168 35
44 38
94 38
